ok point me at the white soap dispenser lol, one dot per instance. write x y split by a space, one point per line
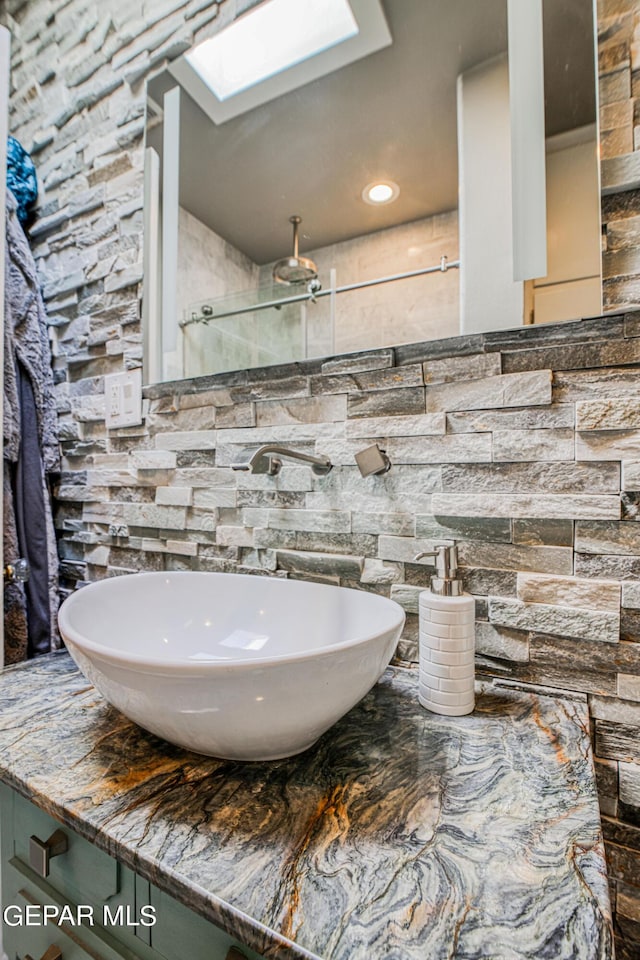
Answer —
447 638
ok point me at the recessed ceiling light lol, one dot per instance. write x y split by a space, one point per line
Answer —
269 39
379 192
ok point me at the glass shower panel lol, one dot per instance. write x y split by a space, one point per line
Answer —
270 325
257 339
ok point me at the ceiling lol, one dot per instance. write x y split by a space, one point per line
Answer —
391 115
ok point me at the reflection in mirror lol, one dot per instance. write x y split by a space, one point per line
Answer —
398 167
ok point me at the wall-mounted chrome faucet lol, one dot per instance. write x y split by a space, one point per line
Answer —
268 459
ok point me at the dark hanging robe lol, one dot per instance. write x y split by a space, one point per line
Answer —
31 454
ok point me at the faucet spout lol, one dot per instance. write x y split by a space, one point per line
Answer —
268 459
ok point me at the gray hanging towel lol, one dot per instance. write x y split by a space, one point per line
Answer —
31 453
30 505
16 639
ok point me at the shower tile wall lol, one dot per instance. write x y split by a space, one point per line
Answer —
525 446
208 266
421 308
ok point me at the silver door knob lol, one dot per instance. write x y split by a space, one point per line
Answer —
42 851
17 572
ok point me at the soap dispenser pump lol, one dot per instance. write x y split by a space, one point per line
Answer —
447 638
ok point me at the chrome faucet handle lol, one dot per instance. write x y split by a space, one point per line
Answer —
372 461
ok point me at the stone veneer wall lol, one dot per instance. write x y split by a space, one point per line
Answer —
619 96
523 445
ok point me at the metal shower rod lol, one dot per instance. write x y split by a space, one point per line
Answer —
445 265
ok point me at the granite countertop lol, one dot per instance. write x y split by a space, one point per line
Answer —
400 835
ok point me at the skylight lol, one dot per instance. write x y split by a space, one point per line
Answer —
268 40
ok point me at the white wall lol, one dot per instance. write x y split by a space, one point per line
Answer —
489 297
572 287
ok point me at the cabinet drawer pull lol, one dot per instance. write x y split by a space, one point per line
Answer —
51 953
41 852
234 954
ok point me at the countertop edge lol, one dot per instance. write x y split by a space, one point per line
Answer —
268 942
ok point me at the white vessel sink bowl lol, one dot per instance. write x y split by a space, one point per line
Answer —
233 666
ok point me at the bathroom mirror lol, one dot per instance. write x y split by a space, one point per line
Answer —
224 287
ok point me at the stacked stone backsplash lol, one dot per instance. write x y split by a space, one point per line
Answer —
619 93
522 445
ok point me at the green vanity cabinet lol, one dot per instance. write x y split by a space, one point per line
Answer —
94 887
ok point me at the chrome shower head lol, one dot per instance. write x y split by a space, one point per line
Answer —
294 269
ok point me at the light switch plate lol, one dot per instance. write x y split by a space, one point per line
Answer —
123 399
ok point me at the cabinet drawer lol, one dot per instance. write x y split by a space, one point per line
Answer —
75 941
83 874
